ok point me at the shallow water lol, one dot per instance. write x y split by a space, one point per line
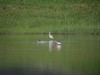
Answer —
24 55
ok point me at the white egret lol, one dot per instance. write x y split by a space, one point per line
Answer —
51 37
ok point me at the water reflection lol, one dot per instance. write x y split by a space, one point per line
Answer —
52 44
30 71
58 47
41 42
77 54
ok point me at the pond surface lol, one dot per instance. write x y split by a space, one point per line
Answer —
24 55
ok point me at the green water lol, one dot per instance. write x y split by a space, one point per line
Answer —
76 53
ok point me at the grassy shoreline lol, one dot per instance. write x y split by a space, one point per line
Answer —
43 33
55 16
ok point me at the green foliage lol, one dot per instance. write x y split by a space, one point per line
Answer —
49 15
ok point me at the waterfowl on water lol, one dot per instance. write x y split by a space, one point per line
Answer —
58 42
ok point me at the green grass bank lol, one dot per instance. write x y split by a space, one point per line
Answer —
20 16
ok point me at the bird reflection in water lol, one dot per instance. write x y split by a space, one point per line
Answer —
42 42
53 45
58 47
